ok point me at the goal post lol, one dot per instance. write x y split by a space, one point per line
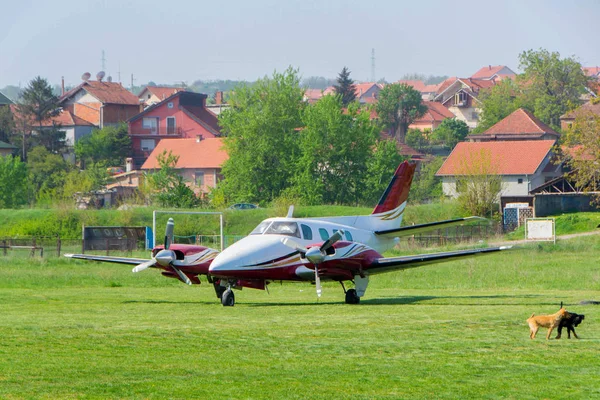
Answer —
220 214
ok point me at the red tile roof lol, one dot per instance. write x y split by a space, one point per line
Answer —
362 88
588 107
64 118
520 122
206 153
436 112
105 92
162 92
488 72
420 86
313 94
591 71
508 157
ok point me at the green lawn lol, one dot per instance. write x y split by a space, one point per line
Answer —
71 329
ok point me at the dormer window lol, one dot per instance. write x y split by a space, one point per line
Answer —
460 99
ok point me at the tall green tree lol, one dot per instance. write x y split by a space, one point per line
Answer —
551 85
450 132
110 145
498 102
261 129
426 186
37 104
13 181
381 166
398 106
336 146
345 87
47 172
7 124
168 186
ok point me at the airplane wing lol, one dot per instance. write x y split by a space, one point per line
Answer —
118 260
406 262
416 229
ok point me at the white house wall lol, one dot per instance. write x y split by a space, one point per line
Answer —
465 114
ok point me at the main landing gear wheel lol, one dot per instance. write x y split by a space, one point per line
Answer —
351 297
228 298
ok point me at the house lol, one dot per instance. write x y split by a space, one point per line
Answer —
101 103
567 119
494 72
593 72
523 165
181 115
428 92
6 149
460 96
155 94
366 93
4 100
311 96
519 125
436 113
200 161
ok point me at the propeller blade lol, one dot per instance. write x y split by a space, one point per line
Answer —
293 244
144 265
318 282
169 233
330 242
182 275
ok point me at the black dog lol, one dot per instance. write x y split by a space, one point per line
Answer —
570 321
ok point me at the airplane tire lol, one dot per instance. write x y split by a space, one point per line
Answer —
228 298
351 297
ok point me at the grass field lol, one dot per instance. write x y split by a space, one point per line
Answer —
71 329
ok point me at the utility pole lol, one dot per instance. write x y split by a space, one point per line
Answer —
373 65
132 80
103 62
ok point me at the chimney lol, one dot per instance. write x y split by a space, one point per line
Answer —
490 67
199 138
219 97
128 164
62 86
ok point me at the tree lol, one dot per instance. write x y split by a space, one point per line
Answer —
551 85
450 132
426 186
168 187
14 182
380 169
47 172
261 129
584 156
398 106
336 146
478 183
498 102
7 124
37 103
109 145
417 139
345 87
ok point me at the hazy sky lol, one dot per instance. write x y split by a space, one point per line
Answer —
170 41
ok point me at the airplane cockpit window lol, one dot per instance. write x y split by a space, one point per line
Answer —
283 228
261 228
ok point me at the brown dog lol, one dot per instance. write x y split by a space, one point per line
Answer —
546 321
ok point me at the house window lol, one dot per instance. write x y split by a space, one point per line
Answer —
170 125
148 144
151 124
306 232
149 95
323 233
460 98
520 181
199 178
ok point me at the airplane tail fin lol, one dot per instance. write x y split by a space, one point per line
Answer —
396 193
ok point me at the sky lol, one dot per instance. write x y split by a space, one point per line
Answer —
176 41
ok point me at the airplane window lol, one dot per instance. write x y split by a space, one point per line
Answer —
323 233
283 228
348 236
306 232
261 228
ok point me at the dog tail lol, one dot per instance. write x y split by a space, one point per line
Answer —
532 315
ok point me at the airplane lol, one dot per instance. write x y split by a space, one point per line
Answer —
349 249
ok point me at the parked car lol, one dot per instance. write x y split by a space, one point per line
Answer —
243 206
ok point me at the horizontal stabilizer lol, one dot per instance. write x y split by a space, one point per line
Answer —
431 226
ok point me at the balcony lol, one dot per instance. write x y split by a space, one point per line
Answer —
171 131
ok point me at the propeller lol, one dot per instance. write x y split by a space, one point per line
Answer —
315 255
165 257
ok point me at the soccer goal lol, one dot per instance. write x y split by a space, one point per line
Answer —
220 214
